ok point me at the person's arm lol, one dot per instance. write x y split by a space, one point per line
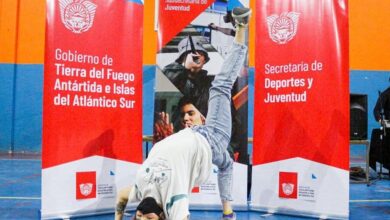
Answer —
173 71
381 105
121 202
226 31
377 111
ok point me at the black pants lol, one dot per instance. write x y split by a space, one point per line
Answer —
380 150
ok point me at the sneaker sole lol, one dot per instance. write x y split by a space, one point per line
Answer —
242 15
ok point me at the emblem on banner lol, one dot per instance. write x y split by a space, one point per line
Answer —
288 188
283 28
77 15
85 185
288 185
86 189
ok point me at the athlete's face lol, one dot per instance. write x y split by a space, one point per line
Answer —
149 216
191 116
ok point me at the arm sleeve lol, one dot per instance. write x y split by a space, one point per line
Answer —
174 71
382 104
377 110
177 74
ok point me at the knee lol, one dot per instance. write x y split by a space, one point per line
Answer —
224 162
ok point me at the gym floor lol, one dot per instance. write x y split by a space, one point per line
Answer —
20 191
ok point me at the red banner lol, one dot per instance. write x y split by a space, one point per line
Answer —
301 119
302 82
175 15
92 113
93 82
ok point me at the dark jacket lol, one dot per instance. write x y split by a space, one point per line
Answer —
383 102
197 89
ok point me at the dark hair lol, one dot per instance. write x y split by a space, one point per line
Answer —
185 100
149 205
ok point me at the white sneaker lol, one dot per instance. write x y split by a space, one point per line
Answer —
241 15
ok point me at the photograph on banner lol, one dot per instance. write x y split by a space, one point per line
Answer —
181 98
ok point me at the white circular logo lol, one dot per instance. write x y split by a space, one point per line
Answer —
77 15
283 28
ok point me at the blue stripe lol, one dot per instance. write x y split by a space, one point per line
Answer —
175 199
6 103
148 79
21 95
233 3
136 1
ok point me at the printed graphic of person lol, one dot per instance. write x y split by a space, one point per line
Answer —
194 82
183 160
189 116
190 78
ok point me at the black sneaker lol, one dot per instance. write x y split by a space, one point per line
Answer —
241 15
229 217
228 17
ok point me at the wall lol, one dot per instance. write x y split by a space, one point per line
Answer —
369 34
369 51
22 28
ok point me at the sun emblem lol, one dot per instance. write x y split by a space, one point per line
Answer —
283 28
288 188
77 15
86 188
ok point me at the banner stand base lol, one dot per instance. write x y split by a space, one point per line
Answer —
283 211
215 207
67 216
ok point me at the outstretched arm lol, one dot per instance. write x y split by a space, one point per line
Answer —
121 202
226 31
